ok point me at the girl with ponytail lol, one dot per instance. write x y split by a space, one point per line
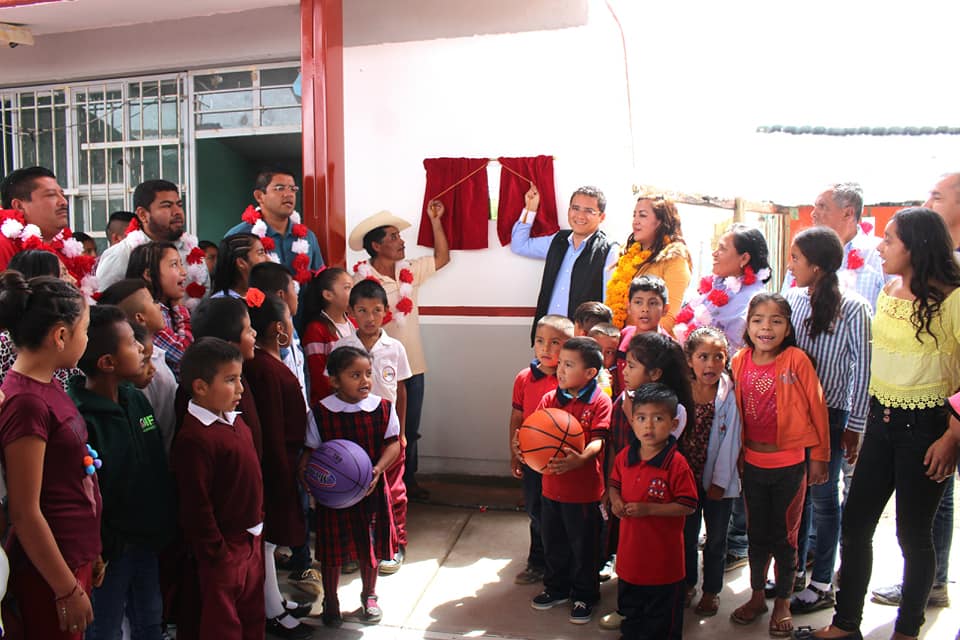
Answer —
54 496
833 327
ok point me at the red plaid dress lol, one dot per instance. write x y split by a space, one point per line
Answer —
342 533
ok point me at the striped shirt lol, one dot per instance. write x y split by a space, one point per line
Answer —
842 358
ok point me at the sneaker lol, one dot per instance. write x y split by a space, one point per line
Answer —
530 575
370 612
277 629
891 596
820 600
581 613
297 610
611 621
735 562
606 572
547 600
390 567
307 581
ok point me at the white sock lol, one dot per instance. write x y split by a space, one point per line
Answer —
288 621
273 601
808 595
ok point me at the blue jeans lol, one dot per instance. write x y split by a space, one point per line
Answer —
737 543
414 410
823 508
943 532
532 493
131 586
716 517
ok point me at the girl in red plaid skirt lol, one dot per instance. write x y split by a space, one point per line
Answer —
363 532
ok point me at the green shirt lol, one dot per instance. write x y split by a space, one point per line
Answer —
139 506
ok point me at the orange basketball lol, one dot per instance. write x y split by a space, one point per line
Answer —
545 433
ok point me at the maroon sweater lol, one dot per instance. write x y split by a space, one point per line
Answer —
219 481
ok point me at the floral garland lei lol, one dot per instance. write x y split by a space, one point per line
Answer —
405 304
196 269
67 248
618 289
301 261
714 292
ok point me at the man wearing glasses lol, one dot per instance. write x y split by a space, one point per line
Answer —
276 194
579 260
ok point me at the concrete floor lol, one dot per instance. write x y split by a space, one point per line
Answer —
458 582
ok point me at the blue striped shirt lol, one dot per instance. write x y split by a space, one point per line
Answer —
842 358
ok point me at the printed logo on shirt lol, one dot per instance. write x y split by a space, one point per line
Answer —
586 418
389 374
789 377
657 491
148 423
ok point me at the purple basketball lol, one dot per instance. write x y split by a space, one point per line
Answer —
339 473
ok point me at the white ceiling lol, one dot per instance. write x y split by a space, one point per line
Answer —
365 22
81 15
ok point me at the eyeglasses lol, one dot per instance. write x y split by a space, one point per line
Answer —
587 210
280 188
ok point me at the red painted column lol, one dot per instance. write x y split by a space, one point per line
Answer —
321 60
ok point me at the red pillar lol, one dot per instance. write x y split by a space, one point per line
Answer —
321 61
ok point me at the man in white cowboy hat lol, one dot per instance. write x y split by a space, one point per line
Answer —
379 235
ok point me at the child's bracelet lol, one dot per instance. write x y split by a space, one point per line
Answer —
76 586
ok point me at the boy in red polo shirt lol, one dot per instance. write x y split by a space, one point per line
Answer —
529 387
652 491
572 486
221 493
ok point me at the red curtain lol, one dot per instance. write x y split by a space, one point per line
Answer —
461 185
539 170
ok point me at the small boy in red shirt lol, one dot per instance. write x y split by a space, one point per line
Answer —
652 491
572 485
529 387
221 493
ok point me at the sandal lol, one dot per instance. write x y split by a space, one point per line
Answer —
777 629
708 606
806 633
739 616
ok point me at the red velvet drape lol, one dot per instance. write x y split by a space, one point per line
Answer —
467 204
512 189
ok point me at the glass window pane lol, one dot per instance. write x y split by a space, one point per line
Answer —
151 163
60 137
134 163
275 117
225 120
169 88
222 81
151 119
278 98
227 100
171 163
278 77
134 111
169 118
116 166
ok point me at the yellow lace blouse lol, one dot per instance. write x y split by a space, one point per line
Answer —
908 374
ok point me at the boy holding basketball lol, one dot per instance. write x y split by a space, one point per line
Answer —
529 387
221 493
652 491
572 485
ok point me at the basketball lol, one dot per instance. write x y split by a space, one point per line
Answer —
339 473
545 433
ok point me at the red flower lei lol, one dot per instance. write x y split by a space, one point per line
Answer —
405 279
854 260
301 261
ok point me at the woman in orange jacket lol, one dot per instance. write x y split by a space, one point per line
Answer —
784 416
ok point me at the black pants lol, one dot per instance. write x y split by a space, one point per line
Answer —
774 499
891 460
650 612
571 547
